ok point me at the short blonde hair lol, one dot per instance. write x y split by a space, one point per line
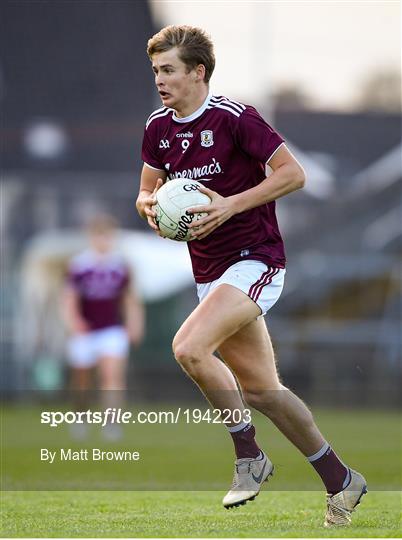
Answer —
194 44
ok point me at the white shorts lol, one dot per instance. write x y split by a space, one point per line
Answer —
262 283
84 350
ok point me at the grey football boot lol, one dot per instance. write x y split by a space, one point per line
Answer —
249 475
341 505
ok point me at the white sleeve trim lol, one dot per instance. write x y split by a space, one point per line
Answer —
154 168
273 153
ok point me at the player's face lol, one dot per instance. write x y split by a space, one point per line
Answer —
102 242
176 85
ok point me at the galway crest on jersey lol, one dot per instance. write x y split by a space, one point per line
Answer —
207 137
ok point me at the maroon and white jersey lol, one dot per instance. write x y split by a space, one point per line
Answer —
100 282
226 145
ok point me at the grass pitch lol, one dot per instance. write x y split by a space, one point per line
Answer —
367 440
190 514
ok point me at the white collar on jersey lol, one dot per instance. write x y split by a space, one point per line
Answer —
196 113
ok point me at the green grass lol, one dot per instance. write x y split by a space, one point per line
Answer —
190 514
168 493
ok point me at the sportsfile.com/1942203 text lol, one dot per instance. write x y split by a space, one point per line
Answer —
113 415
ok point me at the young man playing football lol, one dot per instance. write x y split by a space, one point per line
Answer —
237 256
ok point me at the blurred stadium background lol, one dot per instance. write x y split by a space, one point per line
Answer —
76 89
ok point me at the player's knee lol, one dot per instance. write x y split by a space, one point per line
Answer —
187 354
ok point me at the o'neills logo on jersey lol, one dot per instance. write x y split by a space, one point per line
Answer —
187 135
198 172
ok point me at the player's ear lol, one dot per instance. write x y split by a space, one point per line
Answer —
200 72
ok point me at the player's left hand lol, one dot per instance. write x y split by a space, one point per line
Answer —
220 210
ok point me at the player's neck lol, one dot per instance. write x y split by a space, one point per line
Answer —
190 107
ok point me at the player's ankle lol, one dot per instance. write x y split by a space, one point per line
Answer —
243 436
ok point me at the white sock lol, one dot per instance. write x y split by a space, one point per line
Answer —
238 427
320 453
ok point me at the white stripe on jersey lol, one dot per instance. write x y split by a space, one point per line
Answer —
273 153
227 109
156 112
150 120
242 107
239 107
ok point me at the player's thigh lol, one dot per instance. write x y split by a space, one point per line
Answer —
221 314
81 378
249 354
81 351
111 373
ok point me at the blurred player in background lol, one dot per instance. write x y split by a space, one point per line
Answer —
103 314
237 256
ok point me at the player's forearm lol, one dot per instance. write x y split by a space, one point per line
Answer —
287 178
134 318
73 319
134 311
71 313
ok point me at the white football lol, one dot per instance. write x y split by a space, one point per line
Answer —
173 199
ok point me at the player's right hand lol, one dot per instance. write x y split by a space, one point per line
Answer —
147 203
